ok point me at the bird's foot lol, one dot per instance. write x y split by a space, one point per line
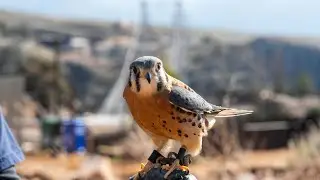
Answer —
175 161
180 161
185 160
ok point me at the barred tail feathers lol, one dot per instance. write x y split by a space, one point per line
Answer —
229 112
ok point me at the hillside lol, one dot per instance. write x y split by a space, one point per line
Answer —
83 25
259 63
214 56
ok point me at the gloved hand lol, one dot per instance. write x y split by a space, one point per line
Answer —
158 174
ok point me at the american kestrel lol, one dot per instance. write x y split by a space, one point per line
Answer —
168 109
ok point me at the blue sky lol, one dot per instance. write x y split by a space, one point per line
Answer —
284 17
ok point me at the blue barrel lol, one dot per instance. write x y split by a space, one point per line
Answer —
74 135
67 135
80 135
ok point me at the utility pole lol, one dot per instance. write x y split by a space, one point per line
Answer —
146 29
144 14
179 41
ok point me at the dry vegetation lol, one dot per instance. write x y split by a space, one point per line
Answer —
299 162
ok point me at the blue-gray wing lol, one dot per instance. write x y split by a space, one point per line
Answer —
190 100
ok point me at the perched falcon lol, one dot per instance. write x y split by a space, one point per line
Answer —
167 109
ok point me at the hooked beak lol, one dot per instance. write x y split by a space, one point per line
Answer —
148 77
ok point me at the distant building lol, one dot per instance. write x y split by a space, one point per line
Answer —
52 39
81 45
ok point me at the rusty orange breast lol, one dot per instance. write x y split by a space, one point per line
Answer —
145 111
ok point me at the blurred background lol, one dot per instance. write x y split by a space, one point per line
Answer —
63 66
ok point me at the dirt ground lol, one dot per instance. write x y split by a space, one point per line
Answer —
68 168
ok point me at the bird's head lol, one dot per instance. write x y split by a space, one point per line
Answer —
147 76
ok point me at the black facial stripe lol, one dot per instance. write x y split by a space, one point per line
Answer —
138 82
129 82
160 82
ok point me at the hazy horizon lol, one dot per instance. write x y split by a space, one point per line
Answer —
277 17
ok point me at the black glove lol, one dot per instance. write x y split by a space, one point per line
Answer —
158 174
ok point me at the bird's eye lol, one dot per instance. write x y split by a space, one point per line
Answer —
135 70
158 66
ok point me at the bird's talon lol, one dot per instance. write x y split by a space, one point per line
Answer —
187 159
168 161
159 160
172 155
